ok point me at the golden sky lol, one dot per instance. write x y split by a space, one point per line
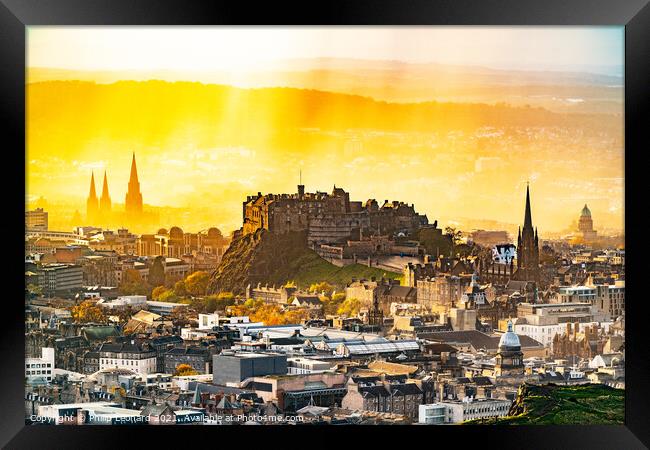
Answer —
205 148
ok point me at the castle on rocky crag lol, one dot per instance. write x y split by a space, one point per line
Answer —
328 218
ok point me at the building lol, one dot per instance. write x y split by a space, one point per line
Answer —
388 394
133 200
133 301
39 369
56 279
139 358
232 367
36 219
199 358
92 202
207 244
327 218
527 248
457 411
105 206
271 294
441 292
509 359
164 308
586 225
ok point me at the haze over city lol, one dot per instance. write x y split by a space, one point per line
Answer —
452 121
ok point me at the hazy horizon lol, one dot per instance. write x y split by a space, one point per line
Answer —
204 148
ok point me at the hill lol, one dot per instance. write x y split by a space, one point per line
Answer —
590 404
272 259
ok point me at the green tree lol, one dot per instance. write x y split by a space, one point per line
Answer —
168 296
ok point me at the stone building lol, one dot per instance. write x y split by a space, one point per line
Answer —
327 218
388 394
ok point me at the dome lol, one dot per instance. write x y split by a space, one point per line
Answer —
175 232
509 339
586 212
162 231
214 233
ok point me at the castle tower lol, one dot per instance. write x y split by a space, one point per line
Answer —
92 203
133 201
105 200
528 247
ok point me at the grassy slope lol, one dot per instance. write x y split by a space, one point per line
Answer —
311 268
591 404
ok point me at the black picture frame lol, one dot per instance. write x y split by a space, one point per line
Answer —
16 15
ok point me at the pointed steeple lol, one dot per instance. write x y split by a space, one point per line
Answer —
105 200
528 221
92 203
134 172
93 193
133 200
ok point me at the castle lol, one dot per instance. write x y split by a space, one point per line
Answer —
328 218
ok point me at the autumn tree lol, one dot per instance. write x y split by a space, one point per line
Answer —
87 311
157 292
197 283
180 289
349 307
323 288
331 305
184 370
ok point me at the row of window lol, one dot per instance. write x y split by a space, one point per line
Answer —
38 372
37 366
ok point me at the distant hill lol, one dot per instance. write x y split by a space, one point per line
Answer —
272 259
588 404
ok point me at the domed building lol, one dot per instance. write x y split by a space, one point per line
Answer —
510 358
586 225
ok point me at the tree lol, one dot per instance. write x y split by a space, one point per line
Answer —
132 283
350 307
157 292
180 289
157 272
197 283
87 311
184 370
168 296
454 236
331 305
322 288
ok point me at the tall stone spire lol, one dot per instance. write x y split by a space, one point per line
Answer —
528 221
133 201
92 203
105 200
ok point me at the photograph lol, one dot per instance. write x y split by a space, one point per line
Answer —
325 225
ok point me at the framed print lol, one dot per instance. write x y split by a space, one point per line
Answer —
365 215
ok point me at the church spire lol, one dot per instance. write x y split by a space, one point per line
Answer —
105 200
133 179
93 193
133 200
528 221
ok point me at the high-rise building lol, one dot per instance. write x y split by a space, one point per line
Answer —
92 204
133 201
527 248
105 200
